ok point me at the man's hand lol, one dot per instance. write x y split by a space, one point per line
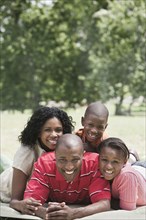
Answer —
59 211
42 211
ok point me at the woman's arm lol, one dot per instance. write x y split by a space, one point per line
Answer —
19 182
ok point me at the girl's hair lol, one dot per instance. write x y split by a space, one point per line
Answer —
114 143
31 132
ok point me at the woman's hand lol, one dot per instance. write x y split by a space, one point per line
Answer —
29 206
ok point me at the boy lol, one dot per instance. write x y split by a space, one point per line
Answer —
94 124
68 176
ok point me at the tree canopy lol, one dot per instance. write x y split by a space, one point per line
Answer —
76 51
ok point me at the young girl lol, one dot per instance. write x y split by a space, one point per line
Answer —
40 135
127 183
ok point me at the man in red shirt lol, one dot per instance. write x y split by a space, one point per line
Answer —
68 176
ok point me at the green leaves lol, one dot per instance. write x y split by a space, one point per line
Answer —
71 51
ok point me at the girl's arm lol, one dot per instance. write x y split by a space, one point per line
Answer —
126 184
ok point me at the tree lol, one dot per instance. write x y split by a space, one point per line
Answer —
45 52
73 51
121 50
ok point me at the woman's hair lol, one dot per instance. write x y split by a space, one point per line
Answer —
114 143
31 132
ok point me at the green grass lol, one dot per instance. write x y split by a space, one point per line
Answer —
130 129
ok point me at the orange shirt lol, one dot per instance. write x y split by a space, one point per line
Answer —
87 146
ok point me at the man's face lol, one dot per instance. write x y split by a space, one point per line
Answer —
69 161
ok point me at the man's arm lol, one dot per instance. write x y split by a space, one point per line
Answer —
73 213
42 211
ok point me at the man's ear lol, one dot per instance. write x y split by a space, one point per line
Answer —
82 121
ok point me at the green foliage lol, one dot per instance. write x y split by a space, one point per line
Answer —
73 51
121 50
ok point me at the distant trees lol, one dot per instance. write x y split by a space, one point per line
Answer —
121 50
71 50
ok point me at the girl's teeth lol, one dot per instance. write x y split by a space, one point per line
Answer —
109 172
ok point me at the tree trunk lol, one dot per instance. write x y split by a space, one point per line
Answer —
130 106
118 110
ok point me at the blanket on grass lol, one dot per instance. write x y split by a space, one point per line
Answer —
7 213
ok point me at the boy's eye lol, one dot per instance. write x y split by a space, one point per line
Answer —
101 127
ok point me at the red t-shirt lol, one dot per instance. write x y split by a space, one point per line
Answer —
47 184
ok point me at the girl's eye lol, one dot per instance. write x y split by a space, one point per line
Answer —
115 162
104 160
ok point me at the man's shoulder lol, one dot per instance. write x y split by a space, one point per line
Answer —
90 163
47 157
91 157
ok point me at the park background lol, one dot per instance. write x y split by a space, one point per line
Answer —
69 53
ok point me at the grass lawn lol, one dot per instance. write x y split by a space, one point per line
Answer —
130 129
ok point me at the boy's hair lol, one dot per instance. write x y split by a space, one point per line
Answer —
114 143
31 132
97 108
